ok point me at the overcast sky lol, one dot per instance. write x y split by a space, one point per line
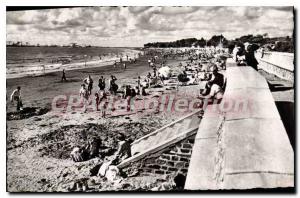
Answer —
135 26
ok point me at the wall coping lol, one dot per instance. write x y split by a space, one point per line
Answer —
243 151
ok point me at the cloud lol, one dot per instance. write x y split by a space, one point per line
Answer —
178 10
134 26
138 9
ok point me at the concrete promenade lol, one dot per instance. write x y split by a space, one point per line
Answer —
278 63
243 149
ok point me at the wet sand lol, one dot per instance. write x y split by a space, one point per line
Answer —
40 90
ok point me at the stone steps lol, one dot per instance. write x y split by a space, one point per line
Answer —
164 137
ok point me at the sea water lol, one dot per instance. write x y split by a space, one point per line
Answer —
34 61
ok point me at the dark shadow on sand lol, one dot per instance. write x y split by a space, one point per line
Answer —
70 80
287 114
278 87
27 112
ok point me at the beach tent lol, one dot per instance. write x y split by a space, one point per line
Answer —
165 72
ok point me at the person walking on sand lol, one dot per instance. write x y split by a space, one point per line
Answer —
115 64
84 94
101 84
104 102
124 66
89 81
139 82
16 96
63 78
148 79
97 98
113 87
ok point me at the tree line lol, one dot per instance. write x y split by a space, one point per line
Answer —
281 44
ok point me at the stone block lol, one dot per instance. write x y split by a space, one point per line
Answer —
175 158
258 145
185 150
170 164
179 164
189 146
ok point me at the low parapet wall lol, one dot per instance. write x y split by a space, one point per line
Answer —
278 63
243 148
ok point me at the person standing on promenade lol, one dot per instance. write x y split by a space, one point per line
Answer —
63 78
250 57
16 96
234 52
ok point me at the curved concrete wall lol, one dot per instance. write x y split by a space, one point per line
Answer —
278 63
245 146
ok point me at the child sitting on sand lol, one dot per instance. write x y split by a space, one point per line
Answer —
124 149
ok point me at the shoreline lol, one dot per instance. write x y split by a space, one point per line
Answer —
44 142
39 91
44 69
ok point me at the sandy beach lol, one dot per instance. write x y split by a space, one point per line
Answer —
148 99
39 146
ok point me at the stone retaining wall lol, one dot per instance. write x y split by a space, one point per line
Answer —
242 149
279 64
172 159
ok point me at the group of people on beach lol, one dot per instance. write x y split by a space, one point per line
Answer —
103 91
214 87
197 63
200 65
243 54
